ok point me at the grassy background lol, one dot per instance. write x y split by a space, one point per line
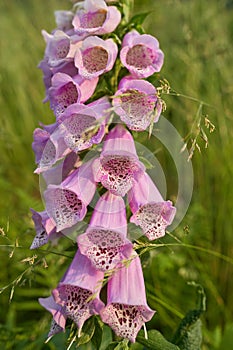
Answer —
196 37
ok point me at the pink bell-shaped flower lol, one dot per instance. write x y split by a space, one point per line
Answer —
118 165
45 229
95 57
127 310
141 54
78 291
105 242
65 91
67 203
136 103
96 18
59 317
150 211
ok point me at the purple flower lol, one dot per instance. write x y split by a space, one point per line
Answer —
127 310
64 20
81 126
141 55
96 18
118 166
78 291
57 48
105 242
46 151
136 103
149 209
65 91
45 229
66 67
59 317
67 203
95 57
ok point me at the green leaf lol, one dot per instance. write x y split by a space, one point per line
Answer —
98 333
139 19
123 345
87 332
189 335
112 345
155 341
106 337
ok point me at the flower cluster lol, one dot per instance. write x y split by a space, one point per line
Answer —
79 52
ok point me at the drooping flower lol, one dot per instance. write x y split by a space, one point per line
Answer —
46 152
95 57
105 242
59 317
136 103
66 66
57 48
67 203
64 20
45 229
65 91
141 54
81 126
118 165
127 310
150 211
78 291
96 18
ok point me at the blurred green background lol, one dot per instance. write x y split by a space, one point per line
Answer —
196 37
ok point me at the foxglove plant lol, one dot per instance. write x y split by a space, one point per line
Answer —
87 56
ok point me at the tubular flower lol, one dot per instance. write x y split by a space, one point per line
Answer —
45 229
127 310
81 126
67 203
149 209
64 20
46 152
105 242
65 91
59 317
136 103
141 55
96 18
78 291
58 47
118 166
95 57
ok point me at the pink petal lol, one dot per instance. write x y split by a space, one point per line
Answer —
127 308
